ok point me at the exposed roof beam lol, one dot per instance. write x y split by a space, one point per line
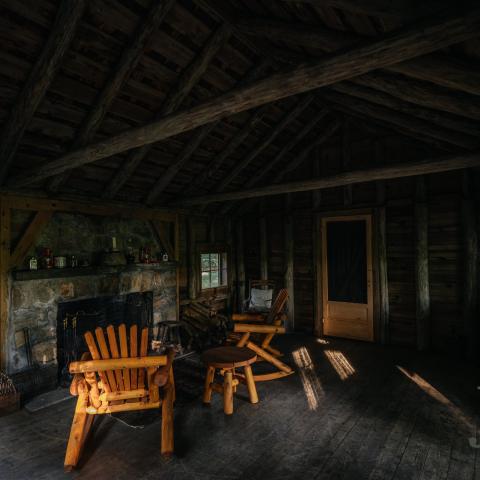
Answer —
122 71
443 120
192 144
186 154
404 169
417 127
188 79
39 79
402 9
398 47
298 159
264 142
423 94
434 68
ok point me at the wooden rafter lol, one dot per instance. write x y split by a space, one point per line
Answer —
120 74
188 79
417 127
34 228
405 169
299 158
434 68
442 119
395 48
264 142
400 9
40 78
192 145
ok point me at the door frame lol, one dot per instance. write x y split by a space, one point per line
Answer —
322 269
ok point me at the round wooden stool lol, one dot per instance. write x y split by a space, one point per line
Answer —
227 359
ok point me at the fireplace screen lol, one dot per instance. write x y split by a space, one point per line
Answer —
76 318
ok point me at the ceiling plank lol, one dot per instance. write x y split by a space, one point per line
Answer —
121 73
395 48
404 169
59 40
188 79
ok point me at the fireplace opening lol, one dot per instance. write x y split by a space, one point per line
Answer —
77 317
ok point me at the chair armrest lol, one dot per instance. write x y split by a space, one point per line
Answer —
248 317
161 375
117 364
251 328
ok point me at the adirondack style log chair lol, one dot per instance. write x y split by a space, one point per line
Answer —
257 331
119 378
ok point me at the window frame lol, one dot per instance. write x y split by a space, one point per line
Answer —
223 269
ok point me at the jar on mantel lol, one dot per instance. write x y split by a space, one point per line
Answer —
47 258
33 263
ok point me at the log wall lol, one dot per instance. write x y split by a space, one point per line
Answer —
448 329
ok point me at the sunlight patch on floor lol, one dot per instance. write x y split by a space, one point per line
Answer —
340 363
311 383
430 390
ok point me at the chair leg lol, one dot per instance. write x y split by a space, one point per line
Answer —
228 393
207 392
252 390
167 421
82 421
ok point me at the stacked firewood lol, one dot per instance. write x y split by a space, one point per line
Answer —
205 327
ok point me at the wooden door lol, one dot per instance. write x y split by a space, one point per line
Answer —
347 277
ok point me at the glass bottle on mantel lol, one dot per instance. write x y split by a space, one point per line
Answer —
33 263
47 258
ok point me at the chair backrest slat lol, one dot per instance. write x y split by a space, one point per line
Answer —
112 340
133 353
278 305
102 345
143 353
122 334
92 347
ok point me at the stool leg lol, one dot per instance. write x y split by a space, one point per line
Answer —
252 390
228 393
207 393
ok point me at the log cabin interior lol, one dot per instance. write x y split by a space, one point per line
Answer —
239 239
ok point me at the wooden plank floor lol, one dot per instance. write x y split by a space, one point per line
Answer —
352 411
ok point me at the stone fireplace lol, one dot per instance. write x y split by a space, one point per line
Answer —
38 306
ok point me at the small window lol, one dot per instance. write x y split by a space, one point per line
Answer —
213 270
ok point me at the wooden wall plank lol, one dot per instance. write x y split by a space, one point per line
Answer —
289 263
5 234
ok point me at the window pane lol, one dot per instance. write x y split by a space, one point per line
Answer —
205 280
205 260
215 279
214 261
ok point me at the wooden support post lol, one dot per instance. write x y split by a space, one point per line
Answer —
231 266
240 266
5 233
317 249
193 263
177 260
262 227
346 157
470 269
421 267
381 254
289 261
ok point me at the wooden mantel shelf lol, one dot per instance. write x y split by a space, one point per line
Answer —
24 275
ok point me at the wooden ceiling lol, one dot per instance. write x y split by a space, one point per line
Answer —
75 73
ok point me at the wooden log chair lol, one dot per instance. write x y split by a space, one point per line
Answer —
119 378
256 331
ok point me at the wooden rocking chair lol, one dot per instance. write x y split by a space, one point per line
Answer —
257 331
110 380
